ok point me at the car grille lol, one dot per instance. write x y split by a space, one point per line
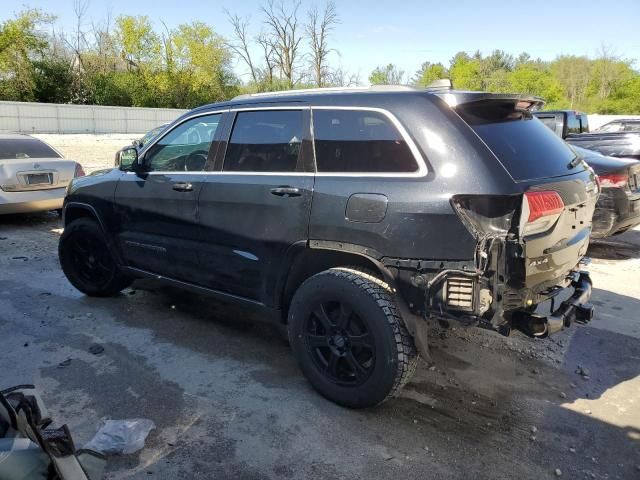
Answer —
459 293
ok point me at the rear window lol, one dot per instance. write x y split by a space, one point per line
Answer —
522 143
11 149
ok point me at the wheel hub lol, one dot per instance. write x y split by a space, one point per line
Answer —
338 342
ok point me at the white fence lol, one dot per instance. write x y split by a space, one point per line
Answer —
596 120
26 117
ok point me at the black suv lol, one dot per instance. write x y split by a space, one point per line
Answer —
353 216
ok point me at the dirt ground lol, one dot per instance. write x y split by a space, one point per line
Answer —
229 401
92 151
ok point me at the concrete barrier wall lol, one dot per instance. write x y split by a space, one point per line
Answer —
26 117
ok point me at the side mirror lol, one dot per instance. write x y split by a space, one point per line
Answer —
128 159
137 143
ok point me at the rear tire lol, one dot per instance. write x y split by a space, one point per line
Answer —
87 262
349 338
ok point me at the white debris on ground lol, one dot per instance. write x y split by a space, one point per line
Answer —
92 151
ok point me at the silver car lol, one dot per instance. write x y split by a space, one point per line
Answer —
33 175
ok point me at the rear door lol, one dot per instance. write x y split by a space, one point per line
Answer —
156 211
256 208
560 189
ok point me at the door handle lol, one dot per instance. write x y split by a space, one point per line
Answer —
286 191
182 187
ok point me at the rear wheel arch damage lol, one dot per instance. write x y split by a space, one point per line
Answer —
307 262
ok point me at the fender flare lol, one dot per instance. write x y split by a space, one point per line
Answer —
94 214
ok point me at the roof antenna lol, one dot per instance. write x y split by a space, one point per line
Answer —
441 84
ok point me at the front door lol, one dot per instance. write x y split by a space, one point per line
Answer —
156 211
257 207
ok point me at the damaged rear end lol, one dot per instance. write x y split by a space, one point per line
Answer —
525 272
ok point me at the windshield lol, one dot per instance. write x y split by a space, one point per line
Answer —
17 148
522 143
149 135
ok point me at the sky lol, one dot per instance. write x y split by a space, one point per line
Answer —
407 32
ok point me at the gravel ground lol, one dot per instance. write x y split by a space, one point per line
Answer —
229 401
92 151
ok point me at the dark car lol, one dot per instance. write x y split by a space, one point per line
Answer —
147 137
574 128
138 143
618 207
564 122
351 217
622 125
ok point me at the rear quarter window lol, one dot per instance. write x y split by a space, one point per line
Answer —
522 143
360 141
12 149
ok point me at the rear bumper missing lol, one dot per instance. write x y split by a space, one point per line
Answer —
574 309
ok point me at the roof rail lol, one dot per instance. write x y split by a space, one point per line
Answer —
322 90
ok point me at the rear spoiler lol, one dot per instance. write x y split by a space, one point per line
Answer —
455 98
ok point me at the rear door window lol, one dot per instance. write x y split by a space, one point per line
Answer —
265 141
522 143
18 148
361 141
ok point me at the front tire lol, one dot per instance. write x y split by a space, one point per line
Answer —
87 262
349 339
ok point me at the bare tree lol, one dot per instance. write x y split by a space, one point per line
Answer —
240 45
283 33
80 10
318 28
268 55
341 78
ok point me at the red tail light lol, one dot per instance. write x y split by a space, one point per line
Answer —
79 171
613 180
543 204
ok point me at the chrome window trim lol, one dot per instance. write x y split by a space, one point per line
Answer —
421 172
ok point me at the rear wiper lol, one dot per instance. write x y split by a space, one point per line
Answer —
575 162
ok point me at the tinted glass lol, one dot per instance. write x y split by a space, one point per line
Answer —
632 127
185 148
265 141
584 123
526 148
573 123
11 149
359 141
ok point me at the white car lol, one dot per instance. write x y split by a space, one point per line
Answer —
33 175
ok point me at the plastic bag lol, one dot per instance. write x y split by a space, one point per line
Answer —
121 436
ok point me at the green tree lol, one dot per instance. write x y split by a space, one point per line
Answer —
430 72
389 75
465 72
21 42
